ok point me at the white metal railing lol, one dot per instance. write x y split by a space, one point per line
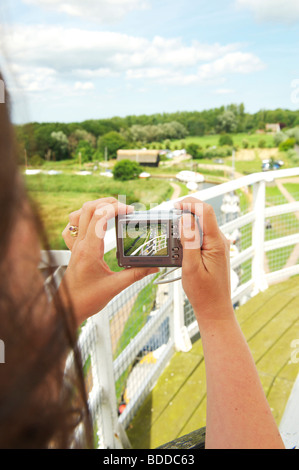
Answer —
131 340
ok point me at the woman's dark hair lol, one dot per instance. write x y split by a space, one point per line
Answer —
40 404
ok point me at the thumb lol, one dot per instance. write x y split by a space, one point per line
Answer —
128 276
191 241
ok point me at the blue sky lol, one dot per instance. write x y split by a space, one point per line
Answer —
71 60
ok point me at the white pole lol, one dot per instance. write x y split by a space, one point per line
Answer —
182 340
113 434
233 162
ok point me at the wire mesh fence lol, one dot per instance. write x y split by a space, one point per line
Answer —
141 319
282 225
139 328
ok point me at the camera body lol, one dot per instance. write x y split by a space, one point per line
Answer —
149 239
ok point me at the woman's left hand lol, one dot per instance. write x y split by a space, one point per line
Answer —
90 282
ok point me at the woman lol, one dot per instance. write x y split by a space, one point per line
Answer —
39 407
38 328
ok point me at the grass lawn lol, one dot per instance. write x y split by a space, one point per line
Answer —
293 189
136 320
282 225
211 140
58 195
176 405
274 196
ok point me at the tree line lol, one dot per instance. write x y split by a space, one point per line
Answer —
100 138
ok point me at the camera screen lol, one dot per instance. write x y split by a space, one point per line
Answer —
145 239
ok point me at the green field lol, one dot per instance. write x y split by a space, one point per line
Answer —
211 140
59 195
132 242
282 225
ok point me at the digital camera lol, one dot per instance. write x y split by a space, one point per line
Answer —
149 239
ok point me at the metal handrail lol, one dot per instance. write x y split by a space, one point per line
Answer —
108 370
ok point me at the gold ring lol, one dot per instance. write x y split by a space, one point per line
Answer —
74 230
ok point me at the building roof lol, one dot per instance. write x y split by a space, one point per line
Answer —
138 155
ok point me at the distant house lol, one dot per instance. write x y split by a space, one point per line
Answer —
144 157
273 128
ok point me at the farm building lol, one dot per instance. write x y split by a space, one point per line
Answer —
144 157
273 128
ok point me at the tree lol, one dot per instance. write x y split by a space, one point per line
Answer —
151 133
227 122
85 149
225 139
196 126
59 145
41 142
261 144
194 150
287 144
279 137
167 144
126 170
112 141
294 133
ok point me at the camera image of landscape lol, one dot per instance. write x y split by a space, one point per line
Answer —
145 239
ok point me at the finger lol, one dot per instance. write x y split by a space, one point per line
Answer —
74 220
125 278
86 213
74 217
69 241
98 224
206 217
191 242
66 234
189 232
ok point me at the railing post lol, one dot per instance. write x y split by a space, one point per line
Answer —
182 340
113 434
258 237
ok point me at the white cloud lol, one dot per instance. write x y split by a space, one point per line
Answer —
34 79
223 91
107 11
282 11
70 49
103 72
54 56
84 86
233 63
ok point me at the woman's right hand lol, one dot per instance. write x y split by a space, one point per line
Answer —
206 268
90 282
